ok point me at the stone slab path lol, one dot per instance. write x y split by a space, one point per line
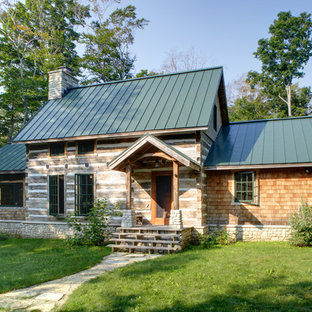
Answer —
45 297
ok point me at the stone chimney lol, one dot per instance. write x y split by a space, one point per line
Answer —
60 81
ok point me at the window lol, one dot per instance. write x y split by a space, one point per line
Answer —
84 193
215 118
86 147
11 194
56 195
57 149
244 186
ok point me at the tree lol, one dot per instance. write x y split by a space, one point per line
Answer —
283 56
248 102
35 37
146 73
107 54
177 61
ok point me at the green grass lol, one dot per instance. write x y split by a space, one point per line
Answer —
26 262
240 277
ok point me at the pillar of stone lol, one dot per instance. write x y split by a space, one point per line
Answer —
176 218
128 218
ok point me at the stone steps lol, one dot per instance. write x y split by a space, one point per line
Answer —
153 239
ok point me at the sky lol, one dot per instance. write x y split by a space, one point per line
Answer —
223 32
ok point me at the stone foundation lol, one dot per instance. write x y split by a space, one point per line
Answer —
39 229
35 229
255 232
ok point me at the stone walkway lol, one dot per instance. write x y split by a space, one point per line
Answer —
45 297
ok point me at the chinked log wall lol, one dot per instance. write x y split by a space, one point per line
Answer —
111 184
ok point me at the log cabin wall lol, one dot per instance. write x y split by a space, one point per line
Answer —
112 184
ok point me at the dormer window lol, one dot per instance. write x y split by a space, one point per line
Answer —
85 147
57 149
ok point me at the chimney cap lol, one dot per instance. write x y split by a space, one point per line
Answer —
66 68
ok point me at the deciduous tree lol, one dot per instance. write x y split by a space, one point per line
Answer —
283 56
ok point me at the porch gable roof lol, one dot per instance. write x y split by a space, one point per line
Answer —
121 160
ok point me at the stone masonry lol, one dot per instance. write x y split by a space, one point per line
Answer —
60 81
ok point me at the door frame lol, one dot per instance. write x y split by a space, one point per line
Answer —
154 220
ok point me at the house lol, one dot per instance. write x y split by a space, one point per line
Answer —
163 147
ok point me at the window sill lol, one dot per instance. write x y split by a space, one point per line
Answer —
244 203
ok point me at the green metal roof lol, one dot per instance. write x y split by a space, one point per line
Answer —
276 141
171 101
13 157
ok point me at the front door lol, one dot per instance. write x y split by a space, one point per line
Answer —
161 197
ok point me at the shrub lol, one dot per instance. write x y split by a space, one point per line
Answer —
3 237
220 237
301 226
94 229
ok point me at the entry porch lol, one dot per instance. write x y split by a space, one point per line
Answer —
152 170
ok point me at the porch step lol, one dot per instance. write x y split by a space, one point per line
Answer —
131 240
149 249
147 239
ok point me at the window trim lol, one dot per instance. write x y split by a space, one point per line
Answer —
255 189
23 194
76 208
85 154
58 214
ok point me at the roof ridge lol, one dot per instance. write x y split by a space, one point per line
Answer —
147 77
265 120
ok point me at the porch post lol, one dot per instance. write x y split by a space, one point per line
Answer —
175 185
128 216
128 186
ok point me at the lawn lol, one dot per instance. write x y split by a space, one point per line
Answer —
241 277
26 262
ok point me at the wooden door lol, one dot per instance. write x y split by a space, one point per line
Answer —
161 197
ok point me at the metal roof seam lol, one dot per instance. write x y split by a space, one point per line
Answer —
74 123
201 79
174 103
75 109
131 105
157 102
28 124
155 107
169 95
96 115
137 123
91 107
309 155
142 101
182 106
204 99
124 104
172 118
106 108
113 111
70 97
305 141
